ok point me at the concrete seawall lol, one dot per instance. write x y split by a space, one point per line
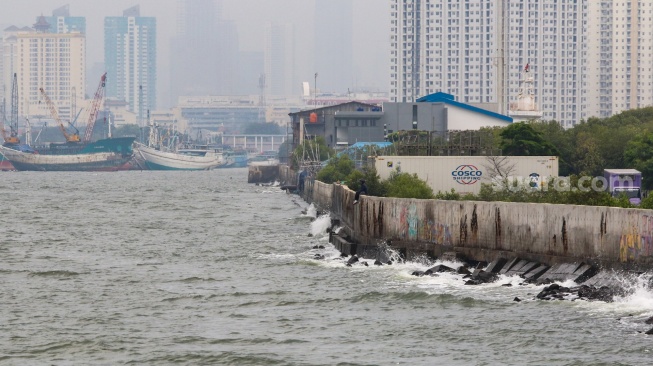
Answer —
603 236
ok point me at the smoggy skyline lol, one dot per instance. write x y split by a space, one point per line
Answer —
369 43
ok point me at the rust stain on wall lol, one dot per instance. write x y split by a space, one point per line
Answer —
379 219
463 230
497 228
565 240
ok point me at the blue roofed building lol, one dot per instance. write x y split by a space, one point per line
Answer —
350 123
440 112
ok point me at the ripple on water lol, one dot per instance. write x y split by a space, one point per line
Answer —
158 268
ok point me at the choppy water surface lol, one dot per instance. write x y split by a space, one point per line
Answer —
156 268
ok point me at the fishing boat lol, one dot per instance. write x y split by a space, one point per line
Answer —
264 158
194 157
235 159
5 165
109 154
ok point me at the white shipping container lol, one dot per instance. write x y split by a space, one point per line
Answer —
465 174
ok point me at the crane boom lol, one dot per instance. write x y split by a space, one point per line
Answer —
95 108
70 137
13 123
3 118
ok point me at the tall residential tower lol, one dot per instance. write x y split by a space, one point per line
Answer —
279 57
204 51
130 60
55 62
334 59
620 56
476 51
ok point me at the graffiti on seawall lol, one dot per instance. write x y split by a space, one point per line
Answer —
637 242
410 226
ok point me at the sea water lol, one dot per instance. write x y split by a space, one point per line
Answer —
201 268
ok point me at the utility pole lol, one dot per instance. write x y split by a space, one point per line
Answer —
315 93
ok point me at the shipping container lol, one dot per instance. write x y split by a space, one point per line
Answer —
624 182
465 174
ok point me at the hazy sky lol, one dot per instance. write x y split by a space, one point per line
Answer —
370 38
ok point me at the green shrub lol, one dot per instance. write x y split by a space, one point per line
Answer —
448 196
337 170
375 187
404 185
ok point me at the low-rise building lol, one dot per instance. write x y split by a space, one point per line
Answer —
348 123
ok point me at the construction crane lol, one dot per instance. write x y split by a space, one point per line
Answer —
95 108
12 138
70 137
3 119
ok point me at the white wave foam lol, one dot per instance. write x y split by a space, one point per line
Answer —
320 225
311 211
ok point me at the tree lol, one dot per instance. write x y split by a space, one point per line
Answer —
555 133
521 139
499 169
404 185
263 128
315 150
126 130
337 170
639 155
375 187
588 159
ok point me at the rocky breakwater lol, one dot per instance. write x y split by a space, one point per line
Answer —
592 284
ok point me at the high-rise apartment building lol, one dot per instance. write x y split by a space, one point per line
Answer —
65 58
279 54
476 51
334 60
204 52
62 22
130 60
55 62
620 56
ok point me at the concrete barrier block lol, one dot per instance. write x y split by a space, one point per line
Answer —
367 251
528 267
509 265
584 272
536 273
521 270
517 268
552 273
605 278
496 265
343 245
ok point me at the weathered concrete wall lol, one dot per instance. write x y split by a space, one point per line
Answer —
287 175
263 173
607 236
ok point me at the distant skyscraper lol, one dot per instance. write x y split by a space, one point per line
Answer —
250 68
476 51
333 44
55 62
130 60
279 56
204 53
620 56
62 22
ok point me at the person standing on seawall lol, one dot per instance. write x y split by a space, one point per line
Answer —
302 178
362 189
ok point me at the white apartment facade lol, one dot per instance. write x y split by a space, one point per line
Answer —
55 62
587 58
621 59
